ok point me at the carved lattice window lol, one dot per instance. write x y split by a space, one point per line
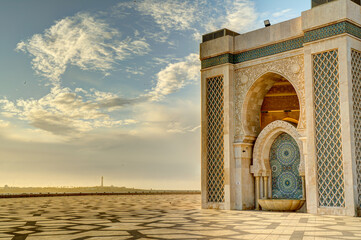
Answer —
330 176
356 99
215 141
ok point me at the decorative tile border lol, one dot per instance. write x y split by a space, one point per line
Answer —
325 32
268 50
296 43
218 60
353 30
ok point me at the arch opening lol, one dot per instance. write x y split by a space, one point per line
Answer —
262 147
278 166
284 161
272 97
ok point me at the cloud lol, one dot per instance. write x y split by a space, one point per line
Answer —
68 113
90 43
175 76
19 133
240 15
83 41
4 124
177 127
198 16
157 119
176 15
9 108
281 13
134 71
117 102
236 15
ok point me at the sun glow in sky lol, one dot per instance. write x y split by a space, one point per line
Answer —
95 88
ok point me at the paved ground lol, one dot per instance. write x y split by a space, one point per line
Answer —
158 217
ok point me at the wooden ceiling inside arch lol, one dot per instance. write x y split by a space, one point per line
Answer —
280 103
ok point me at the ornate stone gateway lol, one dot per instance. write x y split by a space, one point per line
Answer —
284 161
281 113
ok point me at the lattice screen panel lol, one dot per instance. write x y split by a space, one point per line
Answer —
330 176
215 141
356 99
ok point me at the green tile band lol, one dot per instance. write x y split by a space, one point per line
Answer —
310 36
218 60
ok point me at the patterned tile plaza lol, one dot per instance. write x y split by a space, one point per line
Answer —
158 217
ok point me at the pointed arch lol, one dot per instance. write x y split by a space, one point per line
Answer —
254 97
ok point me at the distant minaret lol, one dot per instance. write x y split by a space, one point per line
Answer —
101 184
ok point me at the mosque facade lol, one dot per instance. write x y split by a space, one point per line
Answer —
281 114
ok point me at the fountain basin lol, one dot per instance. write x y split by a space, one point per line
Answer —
283 205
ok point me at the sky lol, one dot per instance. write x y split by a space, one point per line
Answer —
92 88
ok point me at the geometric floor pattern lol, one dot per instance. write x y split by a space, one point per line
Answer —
158 217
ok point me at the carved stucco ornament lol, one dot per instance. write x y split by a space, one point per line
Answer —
291 68
244 79
295 68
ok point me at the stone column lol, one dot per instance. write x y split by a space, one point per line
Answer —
303 187
257 189
265 186
244 187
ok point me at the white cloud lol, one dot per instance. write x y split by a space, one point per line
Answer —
195 128
236 15
91 44
134 71
80 90
176 15
156 119
20 133
175 76
9 108
4 124
136 33
162 60
197 36
81 40
240 15
198 16
281 13
68 113
177 127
